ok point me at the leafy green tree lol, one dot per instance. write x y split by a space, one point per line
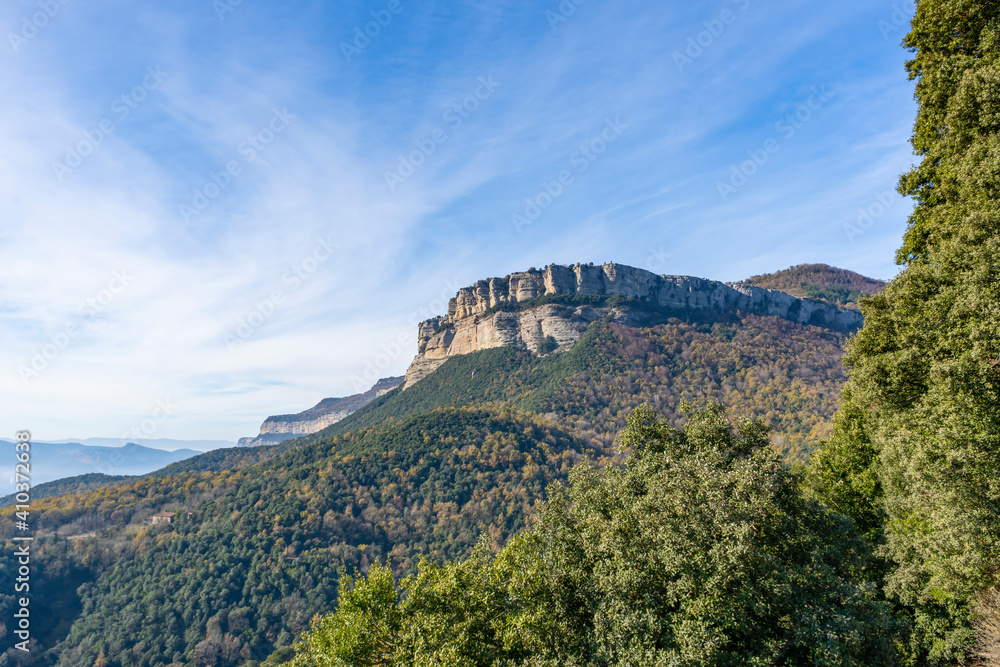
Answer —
364 629
918 439
700 551
843 472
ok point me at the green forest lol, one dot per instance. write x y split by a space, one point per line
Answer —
460 459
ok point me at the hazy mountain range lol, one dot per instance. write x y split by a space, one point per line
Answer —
56 460
165 444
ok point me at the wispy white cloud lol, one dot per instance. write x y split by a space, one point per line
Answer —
192 283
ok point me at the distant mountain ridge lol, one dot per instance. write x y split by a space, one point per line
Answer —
838 287
51 461
164 444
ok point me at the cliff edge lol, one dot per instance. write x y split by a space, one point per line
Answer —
545 310
325 413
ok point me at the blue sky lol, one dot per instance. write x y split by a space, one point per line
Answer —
216 210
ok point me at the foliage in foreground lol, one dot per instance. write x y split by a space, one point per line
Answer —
701 551
402 477
915 456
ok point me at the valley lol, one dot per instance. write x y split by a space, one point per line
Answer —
423 468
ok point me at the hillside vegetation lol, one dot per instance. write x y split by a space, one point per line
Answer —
68 485
263 551
427 472
700 551
787 374
820 281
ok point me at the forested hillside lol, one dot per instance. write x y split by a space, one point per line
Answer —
699 551
785 373
261 554
466 452
820 281
67 485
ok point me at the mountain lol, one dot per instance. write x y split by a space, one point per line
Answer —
549 310
819 281
523 377
51 461
327 412
785 373
166 444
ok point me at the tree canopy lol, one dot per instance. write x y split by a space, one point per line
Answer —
915 456
701 550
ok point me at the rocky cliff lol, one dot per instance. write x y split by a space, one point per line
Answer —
550 309
325 413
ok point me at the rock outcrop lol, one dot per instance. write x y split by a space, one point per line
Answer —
498 312
327 412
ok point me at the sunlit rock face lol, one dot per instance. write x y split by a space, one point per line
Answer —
327 412
477 319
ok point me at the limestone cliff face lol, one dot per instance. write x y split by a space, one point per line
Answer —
327 412
277 425
476 319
